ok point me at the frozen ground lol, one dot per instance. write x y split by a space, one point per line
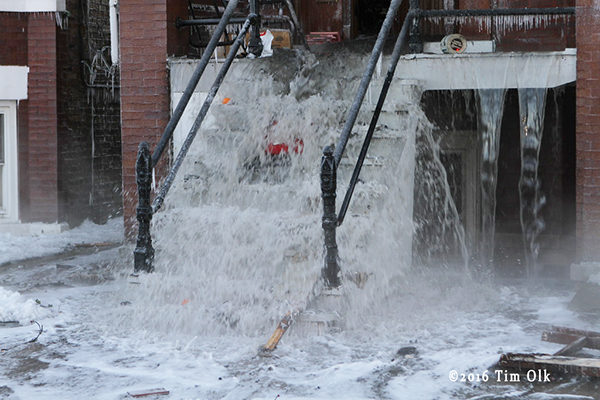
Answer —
13 247
87 352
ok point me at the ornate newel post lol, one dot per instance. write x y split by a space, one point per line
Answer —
331 269
144 252
255 45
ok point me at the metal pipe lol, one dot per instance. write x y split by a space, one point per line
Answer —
255 46
292 10
398 47
331 269
182 23
143 255
366 80
189 90
158 201
114 31
415 42
281 18
496 12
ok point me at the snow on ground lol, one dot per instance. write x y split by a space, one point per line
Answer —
15 307
13 247
88 352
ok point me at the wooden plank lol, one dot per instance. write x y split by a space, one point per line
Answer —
150 392
578 332
572 347
565 338
558 365
282 327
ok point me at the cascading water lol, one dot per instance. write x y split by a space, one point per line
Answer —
491 111
532 103
240 241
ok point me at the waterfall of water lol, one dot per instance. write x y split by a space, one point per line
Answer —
491 110
532 103
239 243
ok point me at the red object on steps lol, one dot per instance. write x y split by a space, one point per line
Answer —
276 149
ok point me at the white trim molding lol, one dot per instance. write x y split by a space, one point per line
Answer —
13 82
490 70
32 5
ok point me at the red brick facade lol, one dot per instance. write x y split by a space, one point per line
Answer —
588 129
30 39
42 109
144 87
65 116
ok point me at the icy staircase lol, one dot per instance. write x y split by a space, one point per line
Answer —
216 153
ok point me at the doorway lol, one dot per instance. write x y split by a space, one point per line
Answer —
9 190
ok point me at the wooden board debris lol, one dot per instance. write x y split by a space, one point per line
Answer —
560 365
150 392
282 327
572 347
567 336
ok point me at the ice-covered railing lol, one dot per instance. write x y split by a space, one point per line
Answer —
333 155
144 252
504 19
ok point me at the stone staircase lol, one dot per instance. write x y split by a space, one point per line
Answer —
225 134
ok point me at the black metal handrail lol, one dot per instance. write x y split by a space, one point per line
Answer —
331 157
409 34
144 252
189 90
292 20
493 12
398 50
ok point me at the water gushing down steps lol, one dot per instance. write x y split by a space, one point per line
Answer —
240 240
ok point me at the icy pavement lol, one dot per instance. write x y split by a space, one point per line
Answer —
86 352
13 247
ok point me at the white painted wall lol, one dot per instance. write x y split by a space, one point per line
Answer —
13 82
489 70
32 5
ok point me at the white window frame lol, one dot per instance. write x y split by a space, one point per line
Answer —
32 5
10 178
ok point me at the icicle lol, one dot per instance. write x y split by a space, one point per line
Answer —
532 104
491 111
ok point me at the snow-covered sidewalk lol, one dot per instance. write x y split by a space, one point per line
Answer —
13 247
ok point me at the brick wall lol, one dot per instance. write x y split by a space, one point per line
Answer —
13 39
88 116
74 138
144 87
42 120
556 33
104 99
588 129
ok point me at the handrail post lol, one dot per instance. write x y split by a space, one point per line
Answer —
415 43
331 270
255 45
144 252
